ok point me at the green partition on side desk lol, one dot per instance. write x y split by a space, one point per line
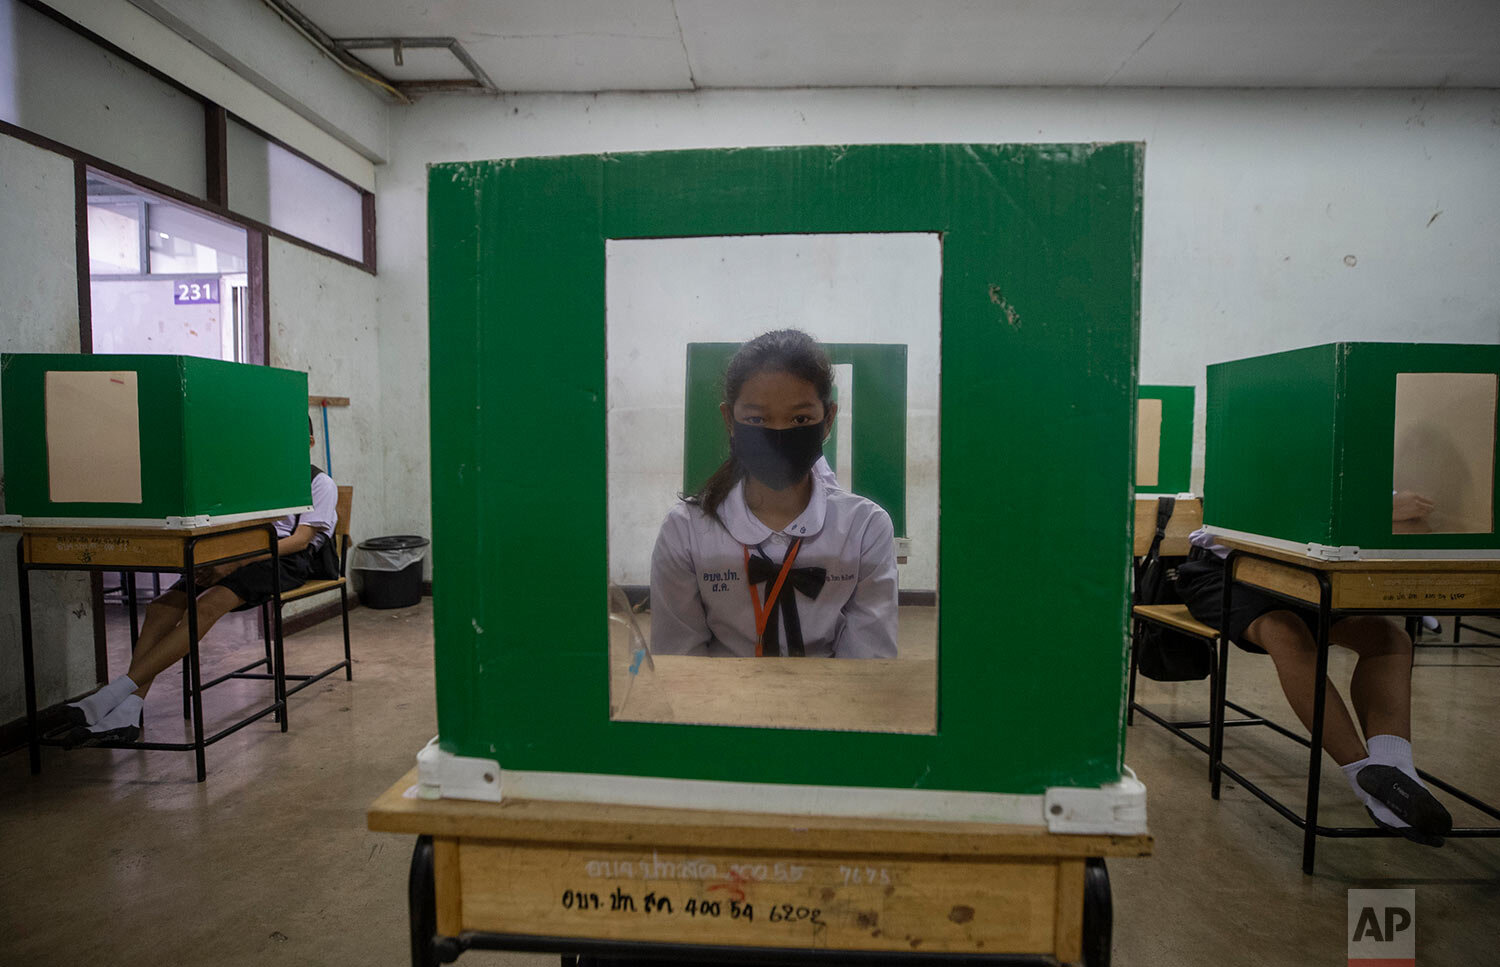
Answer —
1174 464
216 438
1040 303
1301 444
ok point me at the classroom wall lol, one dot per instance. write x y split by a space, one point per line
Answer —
38 276
1273 218
324 320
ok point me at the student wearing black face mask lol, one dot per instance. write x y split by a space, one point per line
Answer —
770 558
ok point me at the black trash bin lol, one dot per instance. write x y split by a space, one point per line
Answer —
394 587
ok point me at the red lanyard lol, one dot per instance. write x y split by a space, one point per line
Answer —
762 615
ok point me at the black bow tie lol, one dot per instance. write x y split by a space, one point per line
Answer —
807 580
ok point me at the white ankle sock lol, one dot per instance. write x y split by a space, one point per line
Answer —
102 702
1392 750
128 712
1371 803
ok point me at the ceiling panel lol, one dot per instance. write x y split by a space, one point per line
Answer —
1296 43
532 45
589 45
860 43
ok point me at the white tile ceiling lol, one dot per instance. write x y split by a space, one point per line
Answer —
598 45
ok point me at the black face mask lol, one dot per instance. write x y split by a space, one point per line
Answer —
778 458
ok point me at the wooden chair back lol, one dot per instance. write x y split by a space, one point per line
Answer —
1187 517
341 528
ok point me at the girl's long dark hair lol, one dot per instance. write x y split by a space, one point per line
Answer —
788 351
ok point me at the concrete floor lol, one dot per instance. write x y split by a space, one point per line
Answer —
120 858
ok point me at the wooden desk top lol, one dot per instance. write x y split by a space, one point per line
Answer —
689 829
106 547
1389 586
117 530
1433 565
882 695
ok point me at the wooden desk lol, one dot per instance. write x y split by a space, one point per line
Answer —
104 547
1337 589
588 878
876 694
1187 516
1382 586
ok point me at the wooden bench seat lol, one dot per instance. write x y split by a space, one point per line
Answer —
1175 616
310 588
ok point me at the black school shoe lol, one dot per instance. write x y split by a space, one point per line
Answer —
83 738
1413 804
1410 832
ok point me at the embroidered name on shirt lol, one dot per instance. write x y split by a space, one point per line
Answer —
839 577
719 580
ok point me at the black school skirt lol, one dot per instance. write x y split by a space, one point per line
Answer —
1200 585
252 583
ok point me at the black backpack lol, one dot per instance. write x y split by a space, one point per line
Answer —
1164 654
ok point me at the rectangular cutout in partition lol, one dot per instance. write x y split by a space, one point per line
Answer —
1148 442
677 310
93 437
1444 466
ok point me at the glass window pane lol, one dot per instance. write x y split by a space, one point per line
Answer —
114 237
272 185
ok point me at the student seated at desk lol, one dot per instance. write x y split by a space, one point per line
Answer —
1379 769
306 549
770 557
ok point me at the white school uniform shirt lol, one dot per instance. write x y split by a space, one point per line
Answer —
700 599
322 518
1202 538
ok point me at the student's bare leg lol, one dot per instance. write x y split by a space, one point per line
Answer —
162 615
1286 639
151 661
1381 688
1383 777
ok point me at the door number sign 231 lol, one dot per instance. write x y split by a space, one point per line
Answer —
195 293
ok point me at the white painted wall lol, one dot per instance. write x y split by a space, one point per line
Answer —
324 323
663 293
60 84
1254 202
38 276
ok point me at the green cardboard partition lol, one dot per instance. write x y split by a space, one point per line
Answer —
1040 314
1174 464
1302 444
215 438
878 437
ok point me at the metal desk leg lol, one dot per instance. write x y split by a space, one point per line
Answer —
1320 702
197 677
1135 637
1219 688
279 675
127 578
1098 914
421 900
23 585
